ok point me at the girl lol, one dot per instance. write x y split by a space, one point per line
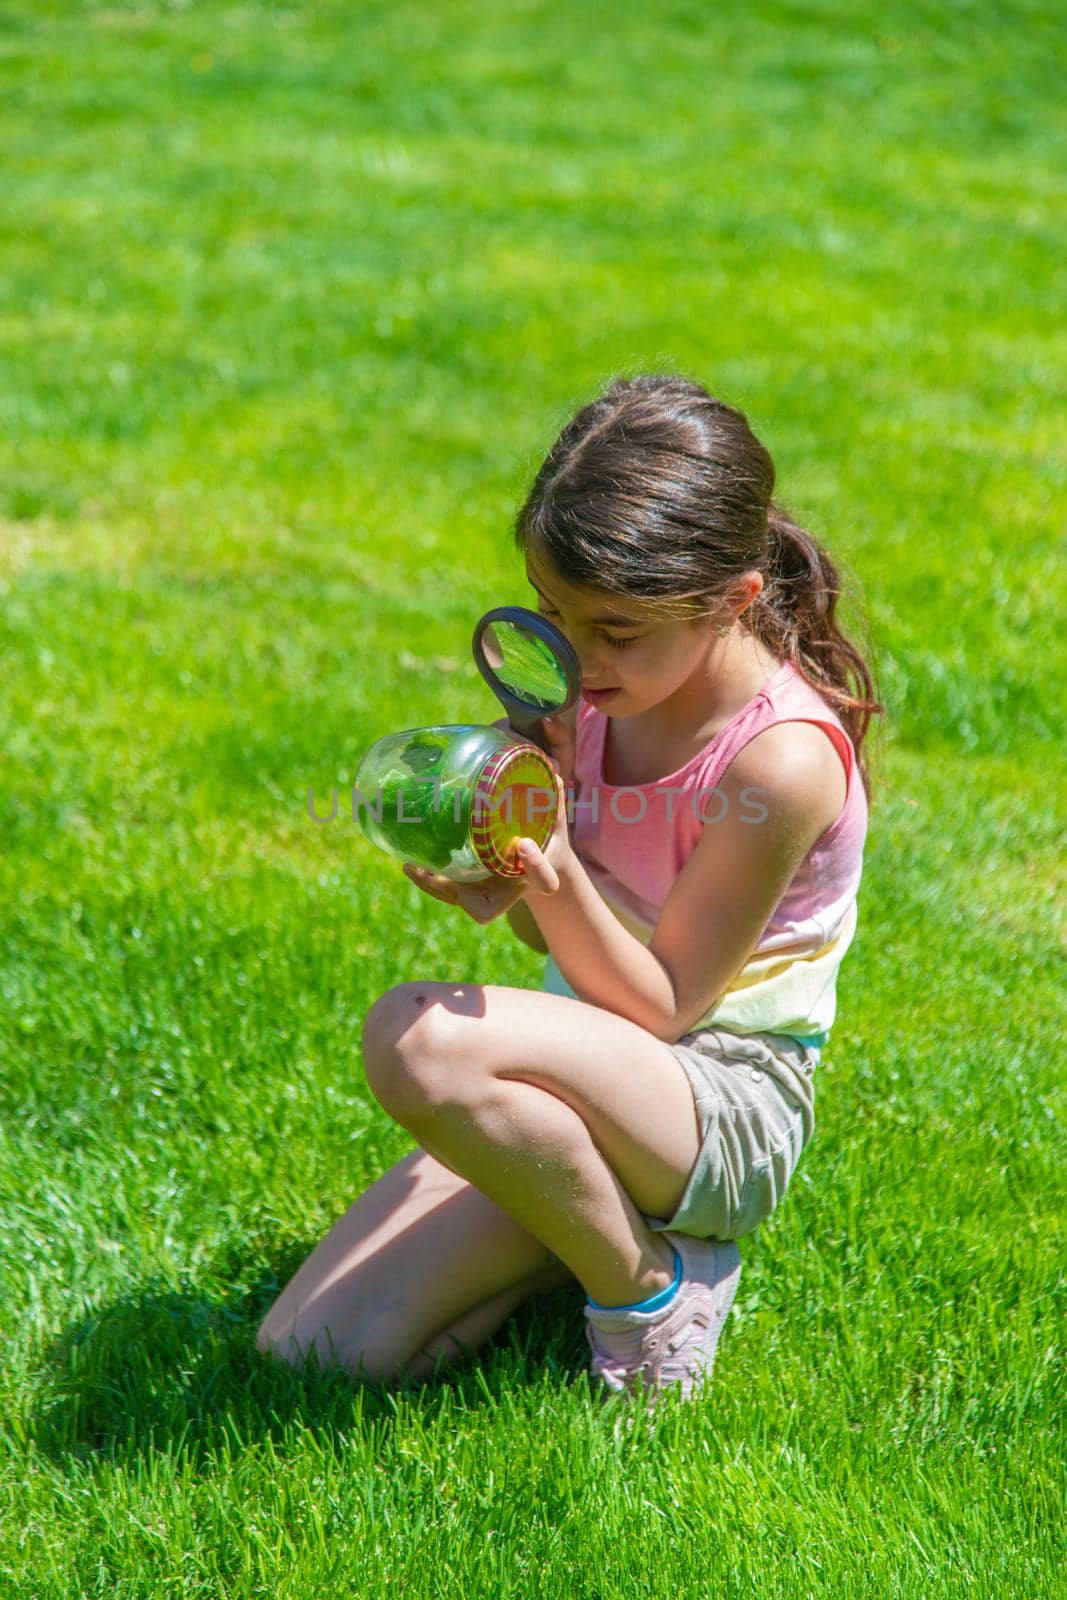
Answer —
628 1123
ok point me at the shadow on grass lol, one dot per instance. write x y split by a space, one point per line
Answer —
171 1370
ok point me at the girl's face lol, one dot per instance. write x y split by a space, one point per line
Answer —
621 647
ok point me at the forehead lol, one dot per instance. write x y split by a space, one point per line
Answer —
596 605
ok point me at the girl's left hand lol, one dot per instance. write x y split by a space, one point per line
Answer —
561 738
490 897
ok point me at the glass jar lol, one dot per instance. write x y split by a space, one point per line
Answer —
456 799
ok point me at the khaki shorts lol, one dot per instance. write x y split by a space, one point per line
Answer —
755 1098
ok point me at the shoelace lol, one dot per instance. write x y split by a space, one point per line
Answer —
613 1373
615 1369
618 1372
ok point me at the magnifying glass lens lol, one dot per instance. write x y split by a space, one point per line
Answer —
525 664
531 667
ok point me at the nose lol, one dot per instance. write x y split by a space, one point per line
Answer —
595 675
592 674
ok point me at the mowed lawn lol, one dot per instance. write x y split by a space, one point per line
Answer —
292 301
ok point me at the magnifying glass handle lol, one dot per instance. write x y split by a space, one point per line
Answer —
529 727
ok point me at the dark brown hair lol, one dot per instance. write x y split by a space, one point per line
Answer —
659 493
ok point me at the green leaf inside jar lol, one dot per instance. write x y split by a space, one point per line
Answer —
426 812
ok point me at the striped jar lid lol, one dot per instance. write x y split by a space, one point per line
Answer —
514 797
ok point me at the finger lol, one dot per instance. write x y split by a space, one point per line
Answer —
440 888
558 734
542 875
436 883
561 747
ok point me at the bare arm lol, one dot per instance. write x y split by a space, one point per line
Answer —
718 905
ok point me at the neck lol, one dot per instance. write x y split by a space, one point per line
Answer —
731 671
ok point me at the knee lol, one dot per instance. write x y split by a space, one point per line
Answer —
296 1347
409 1042
265 1344
276 1339
395 1026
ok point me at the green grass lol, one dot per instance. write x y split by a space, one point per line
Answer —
292 300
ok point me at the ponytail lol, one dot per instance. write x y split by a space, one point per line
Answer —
794 616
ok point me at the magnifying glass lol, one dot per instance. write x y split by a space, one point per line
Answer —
530 666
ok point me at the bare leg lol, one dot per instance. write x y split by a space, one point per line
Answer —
419 1254
576 1122
534 1154
456 1343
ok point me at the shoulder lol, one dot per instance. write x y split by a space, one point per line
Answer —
798 769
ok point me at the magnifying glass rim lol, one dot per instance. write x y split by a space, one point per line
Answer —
549 635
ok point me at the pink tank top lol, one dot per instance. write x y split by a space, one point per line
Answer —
635 839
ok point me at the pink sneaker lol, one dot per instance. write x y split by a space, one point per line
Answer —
675 1345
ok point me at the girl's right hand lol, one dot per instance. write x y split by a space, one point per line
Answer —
489 897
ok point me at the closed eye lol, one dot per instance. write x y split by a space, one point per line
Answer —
616 644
